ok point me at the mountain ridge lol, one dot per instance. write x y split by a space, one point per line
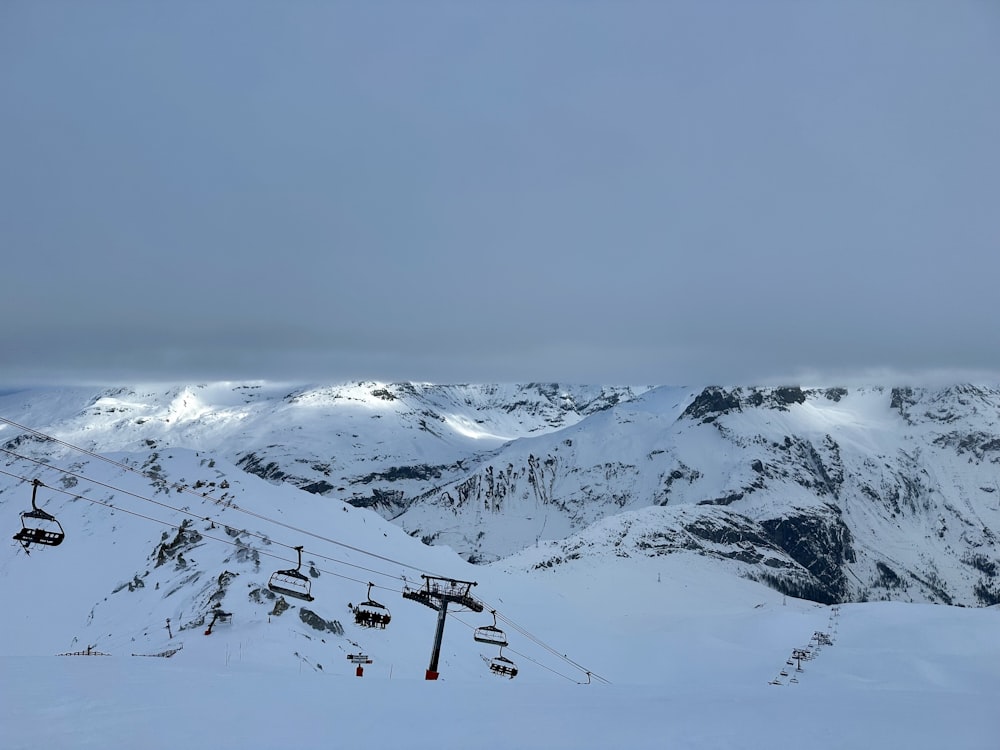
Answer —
836 494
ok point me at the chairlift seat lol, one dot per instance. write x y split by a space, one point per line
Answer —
292 583
490 634
49 531
503 667
37 526
371 614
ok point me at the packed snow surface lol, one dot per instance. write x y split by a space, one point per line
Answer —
896 676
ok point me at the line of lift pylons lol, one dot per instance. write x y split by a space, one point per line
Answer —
41 527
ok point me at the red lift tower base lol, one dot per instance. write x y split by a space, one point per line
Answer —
359 660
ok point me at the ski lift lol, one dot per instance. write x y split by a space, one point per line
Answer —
371 614
491 633
291 582
501 666
37 526
219 616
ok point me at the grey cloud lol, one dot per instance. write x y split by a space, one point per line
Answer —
638 192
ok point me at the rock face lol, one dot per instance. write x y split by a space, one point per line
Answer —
382 429
820 542
842 494
316 622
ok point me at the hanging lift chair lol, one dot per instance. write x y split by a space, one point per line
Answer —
37 526
501 666
491 633
291 582
371 614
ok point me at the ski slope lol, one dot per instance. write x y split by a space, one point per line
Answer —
897 676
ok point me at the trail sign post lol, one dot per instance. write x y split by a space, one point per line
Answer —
359 659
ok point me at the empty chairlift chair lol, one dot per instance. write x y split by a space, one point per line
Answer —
491 633
371 614
291 582
37 526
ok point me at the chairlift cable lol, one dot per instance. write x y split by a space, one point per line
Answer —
514 651
563 657
538 663
262 537
265 553
224 505
535 639
172 525
206 496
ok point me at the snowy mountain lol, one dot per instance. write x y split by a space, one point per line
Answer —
832 494
371 444
646 538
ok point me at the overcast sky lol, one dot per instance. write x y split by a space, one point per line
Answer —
617 192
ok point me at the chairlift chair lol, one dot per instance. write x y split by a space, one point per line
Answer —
501 666
37 526
371 614
491 633
291 582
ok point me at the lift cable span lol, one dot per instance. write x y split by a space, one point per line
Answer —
464 598
206 496
143 498
172 525
534 639
524 656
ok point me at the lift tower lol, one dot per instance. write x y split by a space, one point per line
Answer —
437 593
